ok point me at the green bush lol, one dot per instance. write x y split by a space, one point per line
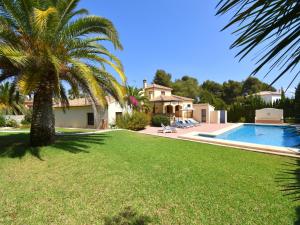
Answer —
11 123
157 120
290 120
2 121
135 121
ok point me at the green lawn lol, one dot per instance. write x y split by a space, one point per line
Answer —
88 179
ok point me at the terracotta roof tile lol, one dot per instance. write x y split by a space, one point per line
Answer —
158 86
82 102
172 98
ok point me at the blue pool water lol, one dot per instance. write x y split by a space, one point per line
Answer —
282 136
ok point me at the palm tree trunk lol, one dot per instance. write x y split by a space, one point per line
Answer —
43 123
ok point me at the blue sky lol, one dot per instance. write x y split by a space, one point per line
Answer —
181 37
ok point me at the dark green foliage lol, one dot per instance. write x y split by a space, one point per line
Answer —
187 86
287 104
243 110
134 121
207 97
163 78
2 121
297 104
213 87
157 120
231 90
128 217
253 85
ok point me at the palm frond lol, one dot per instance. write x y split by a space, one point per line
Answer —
16 56
94 24
275 25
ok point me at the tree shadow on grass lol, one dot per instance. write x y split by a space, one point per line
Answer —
289 180
17 145
79 143
128 217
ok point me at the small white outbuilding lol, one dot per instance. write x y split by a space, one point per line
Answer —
81 114
269 115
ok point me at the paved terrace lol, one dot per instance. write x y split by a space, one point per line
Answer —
204 127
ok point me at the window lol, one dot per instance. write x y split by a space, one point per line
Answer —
90 119
150 94
189 105
118 114
163 93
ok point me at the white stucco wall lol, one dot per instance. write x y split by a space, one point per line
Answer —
212 115
157 92
270 98
215 116
114 108
76 117
17 118
197 112
269 114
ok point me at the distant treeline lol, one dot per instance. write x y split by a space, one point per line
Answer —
230 95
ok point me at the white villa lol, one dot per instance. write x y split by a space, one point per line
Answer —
269 96
164 102
81 115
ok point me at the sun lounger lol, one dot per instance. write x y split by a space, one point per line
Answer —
179 125
167 129
190 123
196 123
185 124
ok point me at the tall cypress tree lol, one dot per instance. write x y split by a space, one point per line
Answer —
297 104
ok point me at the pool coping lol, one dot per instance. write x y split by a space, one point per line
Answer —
194 136
221 131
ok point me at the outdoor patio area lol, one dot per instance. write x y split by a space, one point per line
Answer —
203 128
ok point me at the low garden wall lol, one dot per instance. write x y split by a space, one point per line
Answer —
17 118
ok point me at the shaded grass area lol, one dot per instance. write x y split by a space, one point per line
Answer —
95 179
58 130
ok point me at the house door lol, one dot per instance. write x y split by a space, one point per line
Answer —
222 116
203 115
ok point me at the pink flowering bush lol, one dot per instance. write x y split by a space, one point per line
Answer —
133 101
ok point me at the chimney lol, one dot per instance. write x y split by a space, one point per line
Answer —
144 84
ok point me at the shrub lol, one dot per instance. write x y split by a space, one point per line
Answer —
157 120
11 123
242 120
135 121
2 121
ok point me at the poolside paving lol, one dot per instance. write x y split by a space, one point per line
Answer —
212 128
204 127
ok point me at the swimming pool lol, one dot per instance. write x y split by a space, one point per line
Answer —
281 136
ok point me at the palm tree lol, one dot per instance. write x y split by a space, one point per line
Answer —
136 99
10 100
45 43
274 25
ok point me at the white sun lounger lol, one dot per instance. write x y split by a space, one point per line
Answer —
167 129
